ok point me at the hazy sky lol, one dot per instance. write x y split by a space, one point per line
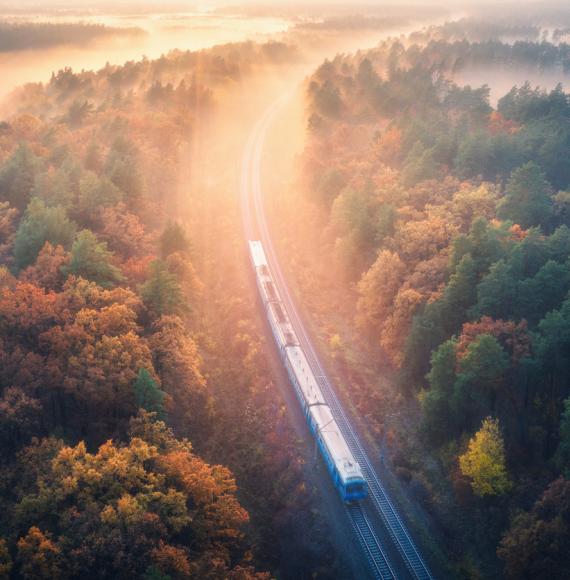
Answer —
210 3
168 5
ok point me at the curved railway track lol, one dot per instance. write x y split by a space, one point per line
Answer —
378 503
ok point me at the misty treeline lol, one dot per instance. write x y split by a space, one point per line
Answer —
181 80
16 36
447 224
128 369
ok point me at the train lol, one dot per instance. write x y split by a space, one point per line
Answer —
343 468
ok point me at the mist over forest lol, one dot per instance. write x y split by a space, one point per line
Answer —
177 402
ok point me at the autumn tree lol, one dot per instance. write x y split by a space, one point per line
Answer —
38 556
389 145
484 461
377 289
20 417
48 269
101 390
124 232
513 337
82 345
179 366
7 231
124 511
536 544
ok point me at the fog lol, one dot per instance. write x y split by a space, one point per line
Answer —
501 79
164 31
134 32
115 32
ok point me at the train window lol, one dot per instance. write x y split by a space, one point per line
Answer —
280 314
354 488
271 291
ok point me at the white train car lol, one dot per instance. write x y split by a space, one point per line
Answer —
303 379
279 321
344 469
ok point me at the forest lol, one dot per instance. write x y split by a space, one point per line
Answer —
145 423
439 225
134 387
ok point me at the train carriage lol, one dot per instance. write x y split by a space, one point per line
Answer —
303 379
344 469
281 326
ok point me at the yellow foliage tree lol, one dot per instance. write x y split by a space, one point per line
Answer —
484 460
378 288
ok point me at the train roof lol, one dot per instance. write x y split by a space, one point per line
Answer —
287 336
334 440
257 253
327 427
270 296
311 390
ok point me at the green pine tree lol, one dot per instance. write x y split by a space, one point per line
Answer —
148 394
162 292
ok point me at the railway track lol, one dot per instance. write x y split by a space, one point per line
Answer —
255 227
379 563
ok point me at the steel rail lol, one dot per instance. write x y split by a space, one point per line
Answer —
251 186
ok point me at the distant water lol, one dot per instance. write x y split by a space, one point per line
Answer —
501 79
164 32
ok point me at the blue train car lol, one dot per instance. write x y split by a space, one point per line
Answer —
345 471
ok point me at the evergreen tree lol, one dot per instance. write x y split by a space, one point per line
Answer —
162 292
563 453
93 158
484 363
527 200
459 295
173 239
18 177
543 293
481 376
496 293
437 420
122 168
41 224
552 345
148 395
91 260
